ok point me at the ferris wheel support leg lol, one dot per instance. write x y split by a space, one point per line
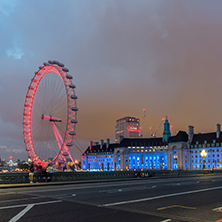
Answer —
60 140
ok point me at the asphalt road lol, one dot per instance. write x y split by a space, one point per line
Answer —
150 200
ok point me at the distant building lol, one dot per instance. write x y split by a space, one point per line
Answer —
127 127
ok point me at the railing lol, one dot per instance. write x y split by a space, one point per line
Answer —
15 178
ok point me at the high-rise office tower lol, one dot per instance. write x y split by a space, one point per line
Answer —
127 127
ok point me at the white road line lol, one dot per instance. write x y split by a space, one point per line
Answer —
218 209
159 197
22 199
125 189
23 212
167 220
7 193
25 205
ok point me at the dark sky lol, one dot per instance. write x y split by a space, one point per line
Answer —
125 55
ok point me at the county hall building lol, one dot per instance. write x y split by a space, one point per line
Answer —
182 151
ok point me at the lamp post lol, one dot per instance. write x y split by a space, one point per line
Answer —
76 164
203 154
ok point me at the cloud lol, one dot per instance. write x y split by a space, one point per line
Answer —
124 56
7 7
15 52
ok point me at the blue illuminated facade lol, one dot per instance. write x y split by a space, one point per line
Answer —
182 151
212 144
129 154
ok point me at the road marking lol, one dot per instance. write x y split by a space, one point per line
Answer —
219 209
23 212
163 208
167 220
125 189
159 197
25 205
22 199
7 193
154 186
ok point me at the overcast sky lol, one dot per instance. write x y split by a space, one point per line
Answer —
125 55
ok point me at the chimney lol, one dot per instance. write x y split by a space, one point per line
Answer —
190 133
90 145
108 142
218 131
102 142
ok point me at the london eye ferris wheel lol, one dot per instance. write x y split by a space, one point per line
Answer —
49 117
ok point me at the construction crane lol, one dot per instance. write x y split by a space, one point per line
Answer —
171 128
153 134
141 128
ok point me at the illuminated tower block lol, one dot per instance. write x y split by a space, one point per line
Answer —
127 127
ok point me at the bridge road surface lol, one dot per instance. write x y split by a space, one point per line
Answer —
151 200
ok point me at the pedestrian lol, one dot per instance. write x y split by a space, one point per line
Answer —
44 174
50 171
31 172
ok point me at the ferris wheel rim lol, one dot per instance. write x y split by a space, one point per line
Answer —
59 69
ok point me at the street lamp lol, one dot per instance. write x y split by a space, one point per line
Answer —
76 164
203 154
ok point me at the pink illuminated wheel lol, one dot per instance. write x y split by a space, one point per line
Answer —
49 117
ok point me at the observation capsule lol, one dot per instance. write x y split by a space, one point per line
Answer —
73 96
55 62
61 64
75 109
74 121
72 86
68 76
72 133
65 69
69 144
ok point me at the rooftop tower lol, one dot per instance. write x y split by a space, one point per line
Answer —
166 132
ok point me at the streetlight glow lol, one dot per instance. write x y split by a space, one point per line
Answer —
203 154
